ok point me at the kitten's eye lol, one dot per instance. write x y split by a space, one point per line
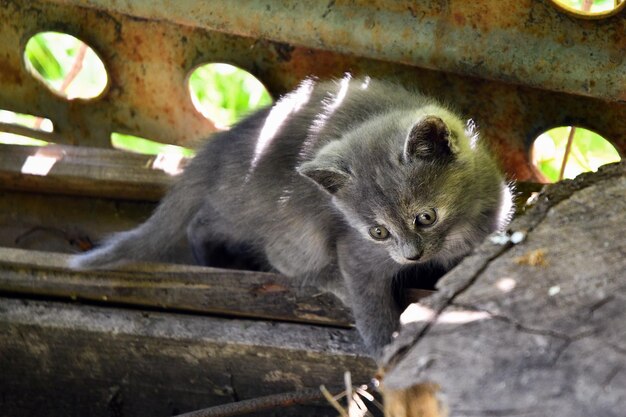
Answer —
427 217
379 232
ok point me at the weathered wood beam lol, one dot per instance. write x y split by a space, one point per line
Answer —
195 289
52 223
72 170
60 359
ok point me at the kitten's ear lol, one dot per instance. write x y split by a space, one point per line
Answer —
429 138
327 174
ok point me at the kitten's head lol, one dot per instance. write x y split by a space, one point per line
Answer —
410 185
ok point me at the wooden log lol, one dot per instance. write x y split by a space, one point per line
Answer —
534 327
59 359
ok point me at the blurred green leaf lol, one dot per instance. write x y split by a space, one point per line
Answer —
588 152
146 146
549 169
42 59
225 93
53 55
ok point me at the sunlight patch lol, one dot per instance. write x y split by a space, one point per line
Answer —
331 104
41 163
171 164
506 284
291 103
597 9
419 313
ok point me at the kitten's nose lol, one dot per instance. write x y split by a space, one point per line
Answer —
412 252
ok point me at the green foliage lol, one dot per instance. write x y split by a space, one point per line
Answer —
588 151
145 146
42 59
52 55
12 139
225 93
597 5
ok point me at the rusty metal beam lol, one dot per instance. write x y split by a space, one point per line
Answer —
146 95
149 59
527 42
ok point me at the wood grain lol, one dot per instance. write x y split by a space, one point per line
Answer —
60 359
196 289
84 171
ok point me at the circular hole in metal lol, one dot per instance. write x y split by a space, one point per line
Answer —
224 93
590 9
566 151
66 65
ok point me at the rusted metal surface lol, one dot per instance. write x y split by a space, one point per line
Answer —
150 47
146 95
528 42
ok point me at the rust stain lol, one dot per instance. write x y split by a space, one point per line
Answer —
369 23
407 33
535 257
459 18
10 74
417 400
324 64
270 288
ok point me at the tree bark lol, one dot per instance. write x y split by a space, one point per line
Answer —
533 328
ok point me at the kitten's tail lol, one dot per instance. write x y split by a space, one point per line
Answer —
155 239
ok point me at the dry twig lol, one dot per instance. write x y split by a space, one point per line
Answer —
262 403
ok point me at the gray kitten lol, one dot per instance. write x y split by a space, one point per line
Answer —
340 184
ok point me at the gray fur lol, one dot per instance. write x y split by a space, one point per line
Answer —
369 153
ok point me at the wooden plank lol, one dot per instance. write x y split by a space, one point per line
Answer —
59 359
174 287
55 223
93 172
82 171
536 328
